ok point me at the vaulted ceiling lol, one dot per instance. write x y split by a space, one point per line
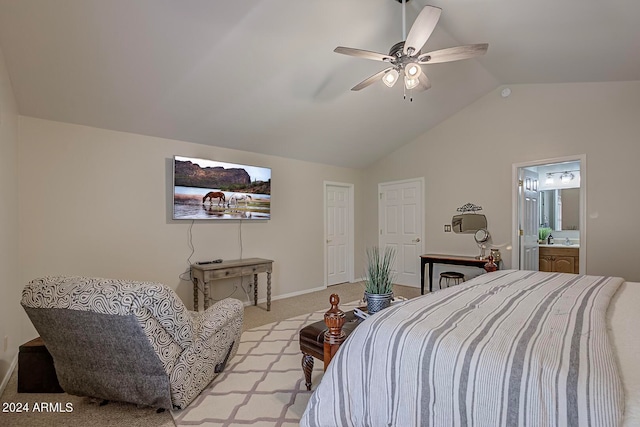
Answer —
261 75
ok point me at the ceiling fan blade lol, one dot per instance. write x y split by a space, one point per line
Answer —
424 84
371 80
453 53
362 53
422 28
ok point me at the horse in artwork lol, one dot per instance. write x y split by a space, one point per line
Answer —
215 195
239 197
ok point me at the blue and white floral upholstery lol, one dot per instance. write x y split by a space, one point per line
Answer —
131 341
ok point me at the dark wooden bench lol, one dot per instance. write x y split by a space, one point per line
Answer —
323 338
36 373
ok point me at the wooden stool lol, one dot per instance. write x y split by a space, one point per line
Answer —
450 276
314 336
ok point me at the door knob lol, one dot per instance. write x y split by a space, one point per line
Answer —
416 240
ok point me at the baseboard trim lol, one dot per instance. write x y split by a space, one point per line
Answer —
289 295
7 377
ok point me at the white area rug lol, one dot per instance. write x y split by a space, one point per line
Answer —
263 384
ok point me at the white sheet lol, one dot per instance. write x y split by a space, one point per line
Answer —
624 326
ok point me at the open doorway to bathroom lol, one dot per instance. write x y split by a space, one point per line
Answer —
549 208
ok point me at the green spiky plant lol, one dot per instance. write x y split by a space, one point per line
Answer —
379 273
543 233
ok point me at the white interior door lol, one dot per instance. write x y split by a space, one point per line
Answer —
338 232
529 202
401 220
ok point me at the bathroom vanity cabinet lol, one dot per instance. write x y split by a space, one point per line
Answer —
559 259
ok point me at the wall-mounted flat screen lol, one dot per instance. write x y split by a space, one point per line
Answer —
209 189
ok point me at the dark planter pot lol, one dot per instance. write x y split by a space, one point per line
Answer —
377 302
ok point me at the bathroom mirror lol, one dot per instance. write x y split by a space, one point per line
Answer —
468 223
560 209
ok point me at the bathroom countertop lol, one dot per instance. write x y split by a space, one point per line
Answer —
559 245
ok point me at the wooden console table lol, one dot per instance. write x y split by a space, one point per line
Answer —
205 273
445 259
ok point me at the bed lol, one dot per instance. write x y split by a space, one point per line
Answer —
506 348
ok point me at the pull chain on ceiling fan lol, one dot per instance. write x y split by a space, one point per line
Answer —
405 57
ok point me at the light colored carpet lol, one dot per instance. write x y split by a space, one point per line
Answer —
87 412
263 384
290 307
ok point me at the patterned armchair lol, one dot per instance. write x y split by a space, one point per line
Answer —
131 341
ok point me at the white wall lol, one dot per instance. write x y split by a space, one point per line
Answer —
10 310
96 202
99 203
469 158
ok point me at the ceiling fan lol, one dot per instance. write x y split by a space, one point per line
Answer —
405 58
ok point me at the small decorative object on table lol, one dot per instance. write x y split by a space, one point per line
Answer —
378 279
490 265
481 237
361 312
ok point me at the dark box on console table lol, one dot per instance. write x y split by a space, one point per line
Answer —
36 373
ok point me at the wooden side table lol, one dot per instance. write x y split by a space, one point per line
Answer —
205 273
446 259
36 372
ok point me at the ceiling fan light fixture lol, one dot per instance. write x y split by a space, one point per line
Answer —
411 83
405 57
412 70
390 77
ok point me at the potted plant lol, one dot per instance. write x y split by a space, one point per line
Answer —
378 281
543 234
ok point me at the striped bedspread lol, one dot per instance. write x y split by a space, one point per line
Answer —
510 348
